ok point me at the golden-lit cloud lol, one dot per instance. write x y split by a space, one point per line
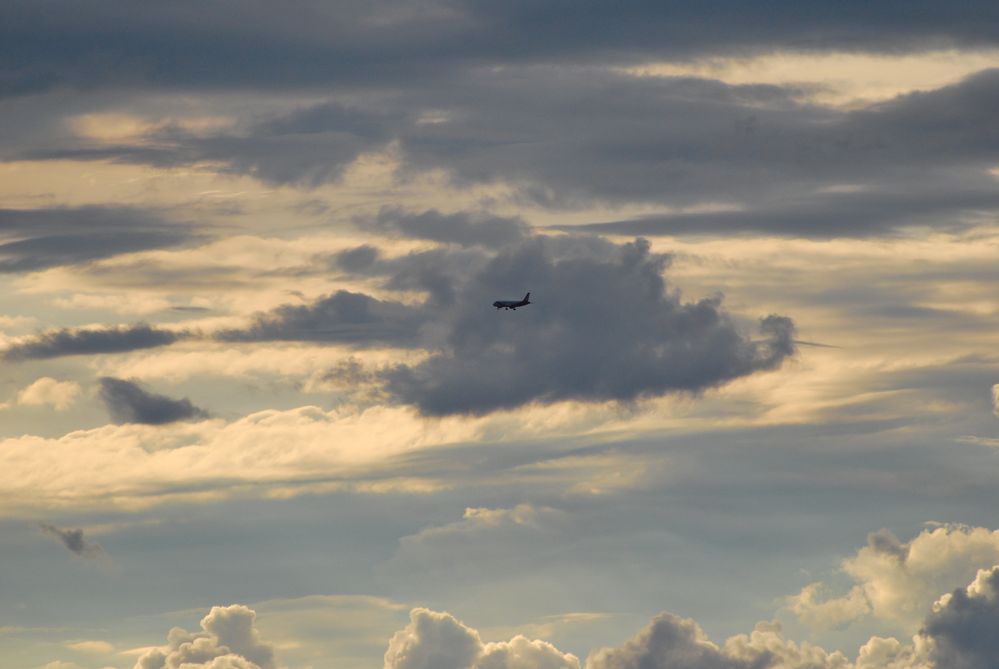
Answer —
836 78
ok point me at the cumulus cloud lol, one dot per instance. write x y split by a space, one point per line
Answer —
671 642
227 640
47 391
89 341
129 403
604 326
435 640
73 540
963 624
897 582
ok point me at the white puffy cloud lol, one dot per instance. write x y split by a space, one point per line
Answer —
436 640
47 391
898 582
813 606
228 640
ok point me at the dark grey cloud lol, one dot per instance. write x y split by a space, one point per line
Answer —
439 273
858 214
357 260
89 341
457 228
128 403
344 317
603 326
884 541
577 135
311 44
34 239
963 628
570 136
73 540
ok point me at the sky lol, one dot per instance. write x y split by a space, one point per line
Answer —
257 411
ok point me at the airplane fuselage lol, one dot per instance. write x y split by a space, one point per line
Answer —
513 304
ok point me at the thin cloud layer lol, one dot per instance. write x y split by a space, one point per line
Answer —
90 341
604 327
43 238
310 44
343 317
457 228
129 403
569 137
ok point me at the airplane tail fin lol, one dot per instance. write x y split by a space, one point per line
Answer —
527 298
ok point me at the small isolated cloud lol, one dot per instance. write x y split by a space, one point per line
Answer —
73 540
47 391
84 341
434 640
98 647
60 664
897 582
227 640
128 403
995 399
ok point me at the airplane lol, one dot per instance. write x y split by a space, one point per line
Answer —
513 304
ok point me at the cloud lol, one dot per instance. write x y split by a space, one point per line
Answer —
73 540
963 622
457 551
89 341
96 646
457 228
128 403
47 391
897 582
671 642
604 326
878 212
45 238
435 640
227 640
342 317
995 399
355 44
